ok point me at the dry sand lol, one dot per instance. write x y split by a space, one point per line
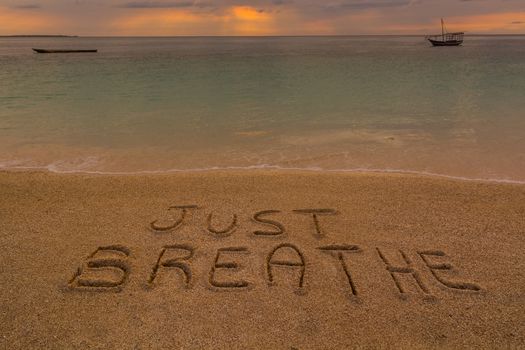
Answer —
391 261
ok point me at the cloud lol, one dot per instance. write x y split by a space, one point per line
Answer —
233 20
373 4
161 4
27 6
20 21
487 23
479 23
259 17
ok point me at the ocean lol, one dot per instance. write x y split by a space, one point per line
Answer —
360 103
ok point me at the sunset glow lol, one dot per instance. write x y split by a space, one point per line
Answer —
17 21
261 17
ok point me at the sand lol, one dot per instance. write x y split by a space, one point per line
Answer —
260 259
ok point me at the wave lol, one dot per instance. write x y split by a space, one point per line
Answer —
53 168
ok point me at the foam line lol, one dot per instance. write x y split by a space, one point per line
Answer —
51 168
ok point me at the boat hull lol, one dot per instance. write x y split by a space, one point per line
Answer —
446 43
63 51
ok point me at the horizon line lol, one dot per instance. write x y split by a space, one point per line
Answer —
239 36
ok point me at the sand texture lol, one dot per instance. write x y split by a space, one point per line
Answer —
260 260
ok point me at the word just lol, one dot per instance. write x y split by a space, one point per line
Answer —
275 228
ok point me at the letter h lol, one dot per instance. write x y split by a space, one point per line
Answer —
408 269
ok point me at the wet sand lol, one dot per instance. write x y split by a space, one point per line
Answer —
260 259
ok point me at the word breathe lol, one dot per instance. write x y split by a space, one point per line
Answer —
108 268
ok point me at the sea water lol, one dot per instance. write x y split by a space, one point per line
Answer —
321 103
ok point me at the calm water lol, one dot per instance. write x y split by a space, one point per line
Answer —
159 104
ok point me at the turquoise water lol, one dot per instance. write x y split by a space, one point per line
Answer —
332 103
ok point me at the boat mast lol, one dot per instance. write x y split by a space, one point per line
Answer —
442 29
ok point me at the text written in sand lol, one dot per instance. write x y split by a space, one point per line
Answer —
231 267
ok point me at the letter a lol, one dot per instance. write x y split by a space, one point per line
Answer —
272 262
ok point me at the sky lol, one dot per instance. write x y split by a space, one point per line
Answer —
258 17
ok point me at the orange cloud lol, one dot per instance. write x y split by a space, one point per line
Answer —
246 20
242 20
237 20
506 22
494 22
28 21
162 22
246 13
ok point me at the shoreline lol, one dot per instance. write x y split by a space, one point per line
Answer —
266 169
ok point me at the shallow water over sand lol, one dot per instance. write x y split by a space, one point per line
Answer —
346 103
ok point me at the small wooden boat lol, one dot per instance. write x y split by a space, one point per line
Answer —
446 39
62 51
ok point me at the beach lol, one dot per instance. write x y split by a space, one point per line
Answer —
260 259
